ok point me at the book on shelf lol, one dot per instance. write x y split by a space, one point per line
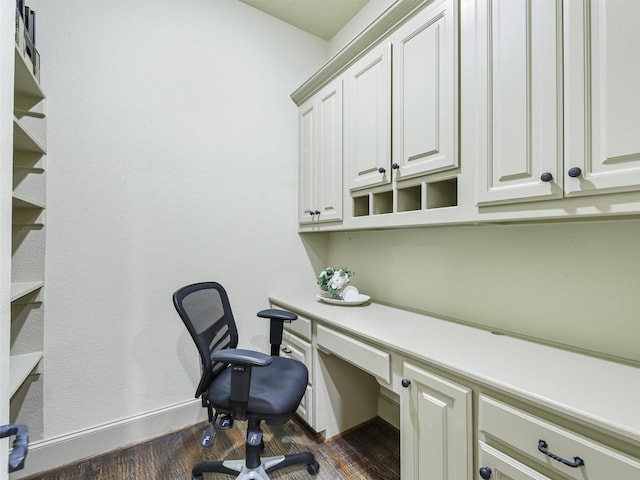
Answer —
32 26
21 36
36 65
30 30
26 37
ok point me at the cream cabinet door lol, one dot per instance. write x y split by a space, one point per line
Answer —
519 122
425 92
307 153
435 432
320 156
602 96
367 110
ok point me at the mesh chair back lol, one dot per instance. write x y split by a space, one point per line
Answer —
206 312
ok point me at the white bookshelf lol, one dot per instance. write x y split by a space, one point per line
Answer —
27 249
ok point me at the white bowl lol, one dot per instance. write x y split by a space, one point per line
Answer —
350 294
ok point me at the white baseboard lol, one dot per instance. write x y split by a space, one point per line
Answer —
54 452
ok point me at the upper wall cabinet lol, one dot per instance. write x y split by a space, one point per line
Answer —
544 136
475 111
425 93
320 156
602 96
518 53
367 129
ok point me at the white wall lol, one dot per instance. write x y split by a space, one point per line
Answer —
172 159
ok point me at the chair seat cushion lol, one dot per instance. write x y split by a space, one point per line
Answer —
275 392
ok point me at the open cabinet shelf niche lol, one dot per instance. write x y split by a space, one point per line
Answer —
422 196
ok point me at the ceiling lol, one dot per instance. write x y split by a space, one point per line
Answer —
322 18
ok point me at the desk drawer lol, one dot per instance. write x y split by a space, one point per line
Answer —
523 432
301 327
298 349
358 353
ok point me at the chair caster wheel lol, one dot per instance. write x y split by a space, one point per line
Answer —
199 477
313 468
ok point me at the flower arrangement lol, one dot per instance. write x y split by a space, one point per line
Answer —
333 280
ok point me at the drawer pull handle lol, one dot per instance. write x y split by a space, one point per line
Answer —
286 350
577 461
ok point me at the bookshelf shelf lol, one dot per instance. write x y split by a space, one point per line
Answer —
25 81
21 367
24 140
23 201
20 289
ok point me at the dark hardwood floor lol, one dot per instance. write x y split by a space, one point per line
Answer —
370 452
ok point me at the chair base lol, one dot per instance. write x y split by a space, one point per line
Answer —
268 465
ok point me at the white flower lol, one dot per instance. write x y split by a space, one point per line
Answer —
338 281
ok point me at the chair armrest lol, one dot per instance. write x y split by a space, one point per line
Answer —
242 362
237 356
277 319
276 314
20 445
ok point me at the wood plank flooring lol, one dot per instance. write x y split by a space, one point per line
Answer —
370 452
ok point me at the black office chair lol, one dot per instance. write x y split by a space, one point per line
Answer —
230 385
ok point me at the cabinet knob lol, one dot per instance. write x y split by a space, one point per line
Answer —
574 172
546 177
317 212
286 350
381 170
395 166
312 213
406 382
485 473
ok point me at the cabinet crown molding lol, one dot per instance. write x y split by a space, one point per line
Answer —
380 27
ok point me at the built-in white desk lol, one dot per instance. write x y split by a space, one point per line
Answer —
474 395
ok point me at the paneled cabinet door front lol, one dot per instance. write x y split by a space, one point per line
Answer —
519 121
329 161
602 96
435 418
307 154
367 129
425 92
320 156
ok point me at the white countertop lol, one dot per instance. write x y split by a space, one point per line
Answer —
603 393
